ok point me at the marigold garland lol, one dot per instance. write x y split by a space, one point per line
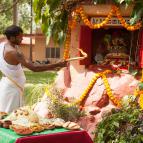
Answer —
91 84
141 101
71 24
109 92
89 87
136 92
139 93
114 10
67 44
80 12
123 22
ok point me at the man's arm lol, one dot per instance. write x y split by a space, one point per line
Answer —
37 68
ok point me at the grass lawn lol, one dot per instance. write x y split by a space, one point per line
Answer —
40 77
34 85
36 80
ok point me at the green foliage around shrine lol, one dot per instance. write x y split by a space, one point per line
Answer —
53 15
121 126
61 108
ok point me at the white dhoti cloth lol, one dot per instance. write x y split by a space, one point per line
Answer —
12 85
10 96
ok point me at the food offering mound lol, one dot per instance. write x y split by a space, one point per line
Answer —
24 121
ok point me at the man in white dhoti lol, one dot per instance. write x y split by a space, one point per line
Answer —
11 62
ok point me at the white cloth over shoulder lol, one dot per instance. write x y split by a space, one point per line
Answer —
10 93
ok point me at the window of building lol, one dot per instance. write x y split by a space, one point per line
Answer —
52 52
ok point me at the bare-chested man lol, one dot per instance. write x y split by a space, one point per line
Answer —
11 62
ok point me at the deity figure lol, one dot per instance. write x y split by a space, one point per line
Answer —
116 44
117 50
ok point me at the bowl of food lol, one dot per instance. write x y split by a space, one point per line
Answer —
2 115
21 130
6 124
1 123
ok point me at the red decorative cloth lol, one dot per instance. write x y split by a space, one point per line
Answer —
85 43
141 57
141 49
64 137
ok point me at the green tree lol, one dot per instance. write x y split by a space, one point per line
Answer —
53 14
24 19
6 18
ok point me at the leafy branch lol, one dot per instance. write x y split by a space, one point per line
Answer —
53 15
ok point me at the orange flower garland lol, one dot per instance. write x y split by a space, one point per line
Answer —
115 10
109 92
139 93
80 12
141 101
91 84
95 26
136 92
123 22
89 87
67 44
72 23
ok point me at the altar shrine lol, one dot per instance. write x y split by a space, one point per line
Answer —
112 46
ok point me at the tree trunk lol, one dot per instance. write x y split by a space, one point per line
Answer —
15 14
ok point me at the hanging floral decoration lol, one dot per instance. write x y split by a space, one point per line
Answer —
109 92
85 93
141 101
67 44
139 92
114 10
79 12
123 22
72 23
84 18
